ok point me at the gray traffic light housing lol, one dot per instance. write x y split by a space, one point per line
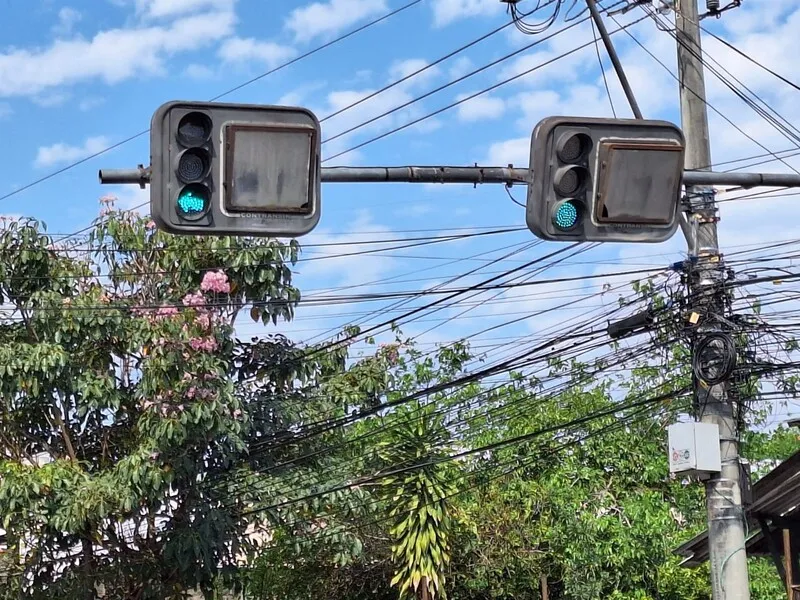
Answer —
234 169
605 180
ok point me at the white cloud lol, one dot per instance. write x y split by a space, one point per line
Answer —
509 152
91 102
446 12
368 110
249 49
112 56
460 67
51 100
404 68
539 69
199 72
480 108
160 9
325 19
47 156
348 265
298 96
415 210
67 19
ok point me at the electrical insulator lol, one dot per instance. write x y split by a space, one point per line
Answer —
713 6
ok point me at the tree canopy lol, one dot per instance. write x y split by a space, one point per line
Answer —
146 451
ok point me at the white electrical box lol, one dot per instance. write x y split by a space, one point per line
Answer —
694 448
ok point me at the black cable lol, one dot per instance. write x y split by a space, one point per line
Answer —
603 70
705 101
780 124
483 91
751 59
478 450
448 84
217 97
507 188
619 358
713 358
347 299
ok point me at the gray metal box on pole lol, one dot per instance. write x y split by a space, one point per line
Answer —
606 180
234 169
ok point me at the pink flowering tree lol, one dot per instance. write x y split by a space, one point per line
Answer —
133 423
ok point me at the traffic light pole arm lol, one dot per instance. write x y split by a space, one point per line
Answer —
507 175
139 176
474 175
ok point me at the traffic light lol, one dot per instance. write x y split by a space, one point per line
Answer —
606 180
234 169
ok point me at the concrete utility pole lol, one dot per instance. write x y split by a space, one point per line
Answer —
726 522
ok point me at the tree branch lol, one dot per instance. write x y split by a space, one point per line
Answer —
59 421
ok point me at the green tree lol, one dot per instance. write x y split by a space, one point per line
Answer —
581 498
128 409
417 486
391 458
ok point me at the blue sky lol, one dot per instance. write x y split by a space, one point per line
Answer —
76 77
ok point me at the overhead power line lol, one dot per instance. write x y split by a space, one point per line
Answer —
218 96
746 56
693 92
484 90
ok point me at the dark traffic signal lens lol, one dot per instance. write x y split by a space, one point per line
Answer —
573 147
569 181
193 201
194 129
193 165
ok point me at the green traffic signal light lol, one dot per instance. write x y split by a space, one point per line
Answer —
567 215
193 202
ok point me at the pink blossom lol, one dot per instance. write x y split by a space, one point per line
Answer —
150 225
208 344
216 281
108 200
147 404
194 299
204 320
237 413
190 393
167 311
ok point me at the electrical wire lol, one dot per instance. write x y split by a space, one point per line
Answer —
288 63
708 104
480 92
746 56
778 122
603 70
